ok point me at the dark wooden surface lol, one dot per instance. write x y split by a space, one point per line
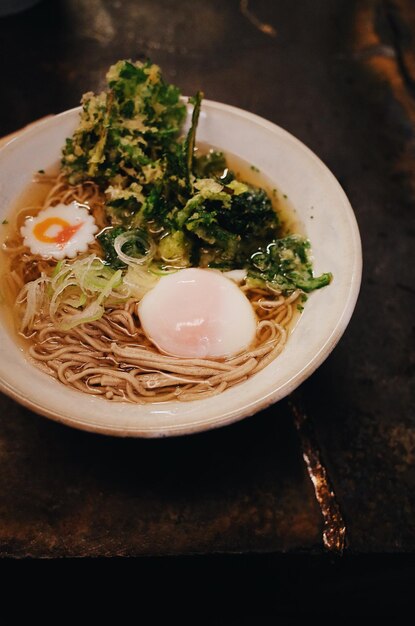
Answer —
341 77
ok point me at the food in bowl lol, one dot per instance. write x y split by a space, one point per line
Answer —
150 271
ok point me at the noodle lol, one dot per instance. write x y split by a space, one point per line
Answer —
111 356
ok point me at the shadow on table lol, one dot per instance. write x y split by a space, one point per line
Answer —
239 488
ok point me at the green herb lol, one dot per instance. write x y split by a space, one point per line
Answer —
190 141
254 168
41 171
286 265
106 238
5 222
132 248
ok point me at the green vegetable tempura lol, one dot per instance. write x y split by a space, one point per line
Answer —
129 141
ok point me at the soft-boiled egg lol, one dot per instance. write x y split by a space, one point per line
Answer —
198 313
60 231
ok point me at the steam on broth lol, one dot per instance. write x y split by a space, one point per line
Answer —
159 207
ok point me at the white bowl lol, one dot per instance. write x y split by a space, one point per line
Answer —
330 225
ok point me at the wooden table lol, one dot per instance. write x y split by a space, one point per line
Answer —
341 77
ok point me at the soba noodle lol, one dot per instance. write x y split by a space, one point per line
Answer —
112 357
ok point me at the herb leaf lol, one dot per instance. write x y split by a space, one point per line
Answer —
286 265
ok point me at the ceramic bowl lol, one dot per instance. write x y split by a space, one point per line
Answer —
329 223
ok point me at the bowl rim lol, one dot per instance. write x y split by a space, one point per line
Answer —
273 396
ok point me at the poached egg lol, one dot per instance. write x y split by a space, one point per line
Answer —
198 313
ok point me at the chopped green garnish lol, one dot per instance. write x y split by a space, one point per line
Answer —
41 171
5 222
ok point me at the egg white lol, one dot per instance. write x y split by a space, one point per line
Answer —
198 313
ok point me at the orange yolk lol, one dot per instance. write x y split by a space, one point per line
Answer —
67 231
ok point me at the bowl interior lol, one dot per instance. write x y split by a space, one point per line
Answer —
329 223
